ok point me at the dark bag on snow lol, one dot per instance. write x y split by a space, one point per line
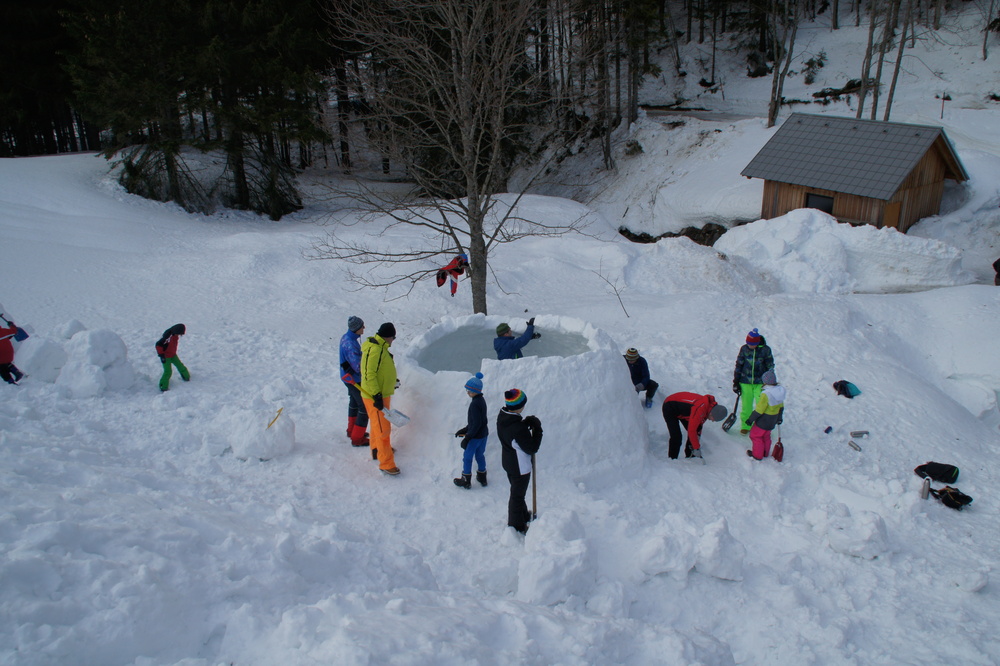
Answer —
952 497
936 471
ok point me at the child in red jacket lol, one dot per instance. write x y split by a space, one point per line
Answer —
8 371
166 349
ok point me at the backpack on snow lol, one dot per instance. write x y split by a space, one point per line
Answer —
951 497
936 471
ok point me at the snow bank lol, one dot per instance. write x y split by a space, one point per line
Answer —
809 251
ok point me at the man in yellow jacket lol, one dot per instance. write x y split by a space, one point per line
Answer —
378 383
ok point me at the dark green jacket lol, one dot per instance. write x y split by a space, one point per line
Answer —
751 363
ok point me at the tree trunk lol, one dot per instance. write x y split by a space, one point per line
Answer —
899 59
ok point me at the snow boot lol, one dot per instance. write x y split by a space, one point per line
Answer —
359 437
464 482
481 478
350 426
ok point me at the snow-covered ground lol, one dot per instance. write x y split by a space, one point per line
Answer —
145 528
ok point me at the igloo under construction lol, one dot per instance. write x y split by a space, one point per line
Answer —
574 375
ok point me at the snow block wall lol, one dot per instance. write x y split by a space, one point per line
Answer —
98 360
592 420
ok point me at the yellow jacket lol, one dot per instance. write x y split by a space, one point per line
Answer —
378 370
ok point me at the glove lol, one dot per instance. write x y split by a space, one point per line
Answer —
163 359
461 433
637 387
377 399
535 336
465 443
531 322
736 387
533 423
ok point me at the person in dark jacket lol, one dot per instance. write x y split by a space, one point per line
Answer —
350 368
519 439
8 371
166 349
752 362
996 267
639 371
507 346
474 434
691 409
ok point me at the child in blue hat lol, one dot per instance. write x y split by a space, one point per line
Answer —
474 434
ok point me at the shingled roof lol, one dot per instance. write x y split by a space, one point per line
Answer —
868 158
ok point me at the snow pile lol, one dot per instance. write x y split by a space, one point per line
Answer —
807 250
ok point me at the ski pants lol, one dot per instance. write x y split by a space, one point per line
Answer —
761 442
168 372
651 388
356 406
672 411
475 448
9 373
517 509
748 398
380 433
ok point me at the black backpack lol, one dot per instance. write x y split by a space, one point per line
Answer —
936 471
951 497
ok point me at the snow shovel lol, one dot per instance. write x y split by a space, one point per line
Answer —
395 417
534 490
778 452
731 419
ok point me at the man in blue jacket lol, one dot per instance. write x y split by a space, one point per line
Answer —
507 346
350 369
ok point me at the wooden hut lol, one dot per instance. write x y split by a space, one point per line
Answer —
859 171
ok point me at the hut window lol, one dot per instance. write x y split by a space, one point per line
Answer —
819 202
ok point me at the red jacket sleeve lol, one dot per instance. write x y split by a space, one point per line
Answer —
699 414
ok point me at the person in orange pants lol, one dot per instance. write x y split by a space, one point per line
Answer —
378 383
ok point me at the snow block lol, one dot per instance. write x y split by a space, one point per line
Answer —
98 360
41 358
555 568
862 534
719 554
674 550
250 437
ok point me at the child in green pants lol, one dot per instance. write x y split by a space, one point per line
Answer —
166 349
753 361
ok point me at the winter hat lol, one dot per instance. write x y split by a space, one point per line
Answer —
355 324
386 330
514 399
769 378
753 338
502 329
718 413
475 384
632 355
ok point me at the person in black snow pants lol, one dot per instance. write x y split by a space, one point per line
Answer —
519 439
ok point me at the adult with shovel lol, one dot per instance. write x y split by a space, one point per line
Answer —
378 383
520 438
691 410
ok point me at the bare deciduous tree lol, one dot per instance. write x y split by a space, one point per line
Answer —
451 93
